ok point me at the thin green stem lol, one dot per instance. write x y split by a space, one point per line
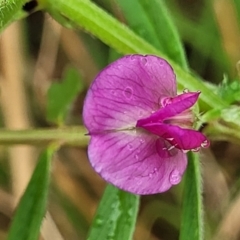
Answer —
221 131
62 136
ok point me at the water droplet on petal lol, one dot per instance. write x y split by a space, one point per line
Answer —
140 113
161 63
171 148
155 169
150 175
120 66
144 60
165 101
98 168
130 147
195 149
113 92
99 222
132 57
175 177
136 157
170 139
205 144
113 205
162 147
128 92
141 140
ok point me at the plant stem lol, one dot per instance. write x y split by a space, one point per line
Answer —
63 136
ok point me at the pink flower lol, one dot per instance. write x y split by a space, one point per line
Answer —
140 128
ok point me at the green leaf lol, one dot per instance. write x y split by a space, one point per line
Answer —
116 215
32 206
60 95
230 91
93 19
192 212
9 10
155 25
237 8
202 35
140 25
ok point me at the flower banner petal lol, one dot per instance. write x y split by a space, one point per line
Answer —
126 90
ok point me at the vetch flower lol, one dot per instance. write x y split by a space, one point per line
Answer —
140 128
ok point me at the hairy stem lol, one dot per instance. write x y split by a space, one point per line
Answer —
64 136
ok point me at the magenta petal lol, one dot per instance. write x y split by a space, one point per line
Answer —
131 161
186 139
187 99
165 149
128 89
176 105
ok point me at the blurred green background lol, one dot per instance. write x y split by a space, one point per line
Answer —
37 53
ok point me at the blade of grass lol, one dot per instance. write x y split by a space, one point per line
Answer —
192 210
203 37
155 25
140 25
237 7
116 215
31 209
